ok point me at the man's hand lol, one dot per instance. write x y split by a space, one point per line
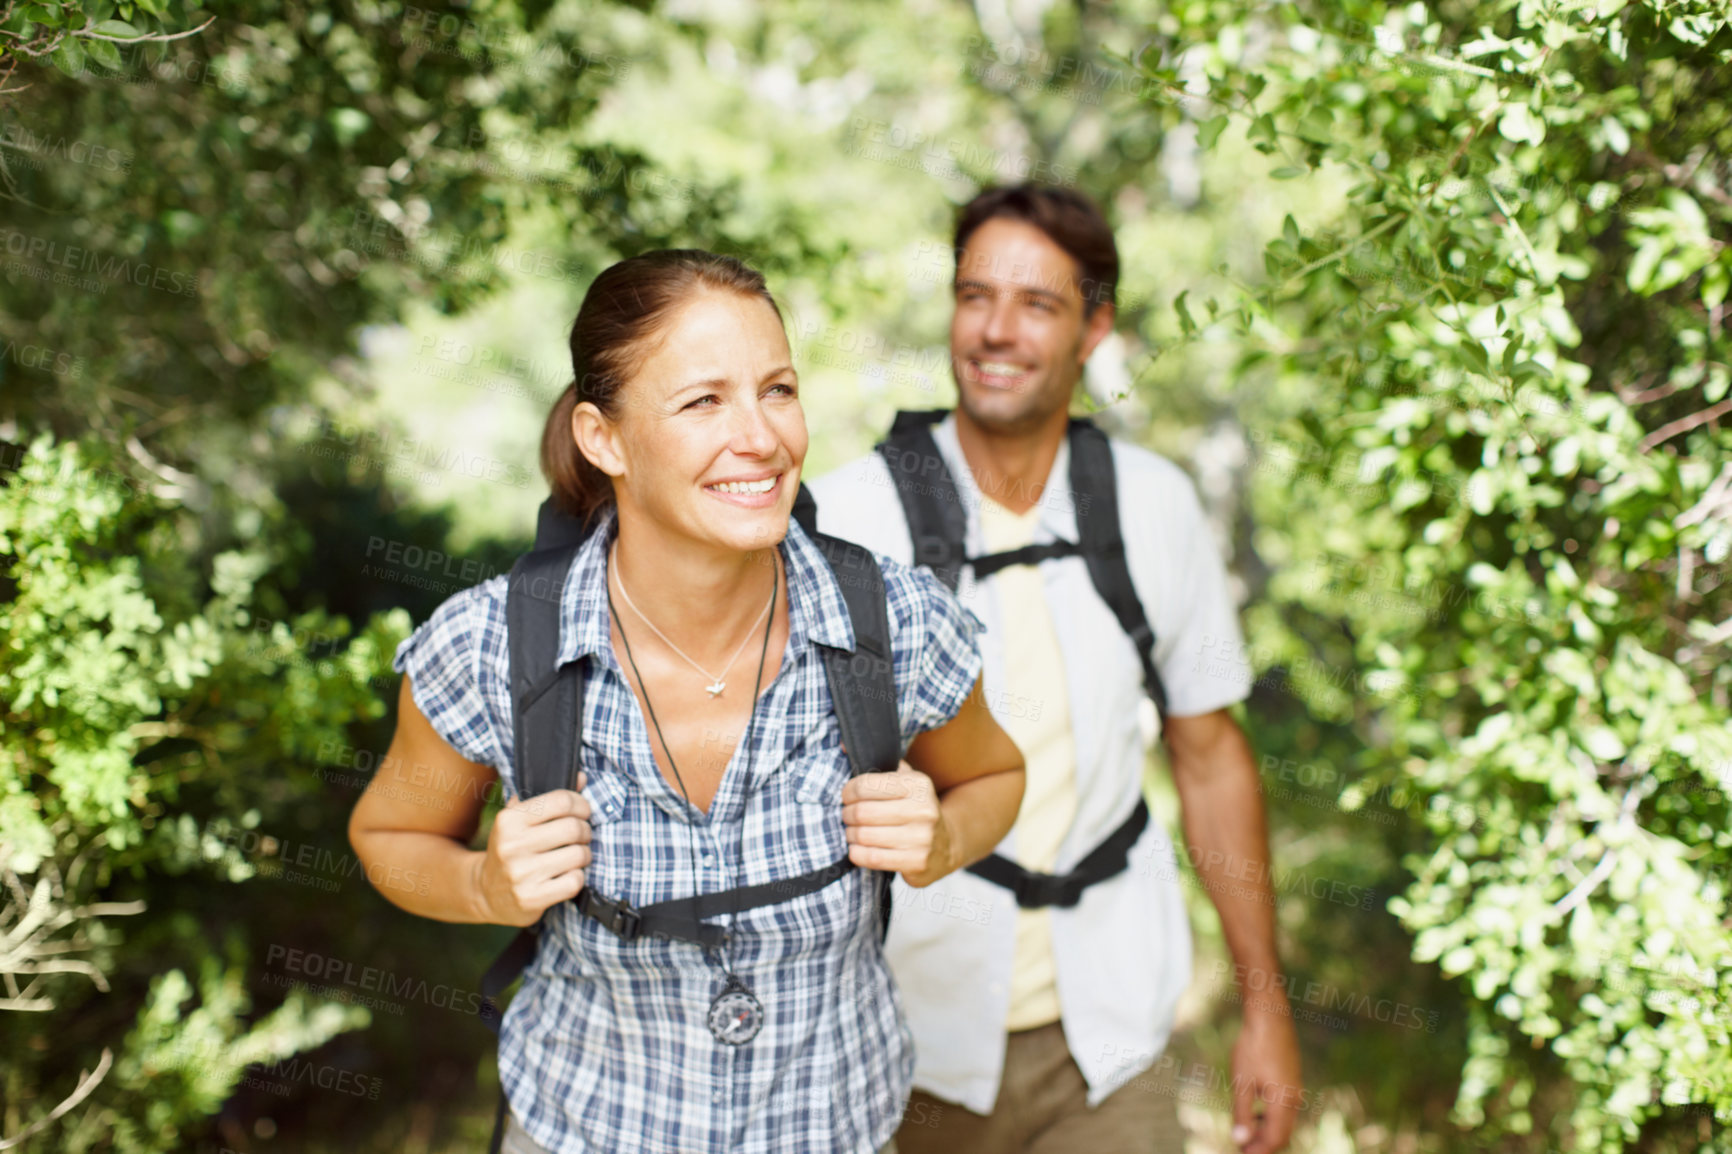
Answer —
1266 1067
894 822
536 856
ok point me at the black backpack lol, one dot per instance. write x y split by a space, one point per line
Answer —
938 527
548 710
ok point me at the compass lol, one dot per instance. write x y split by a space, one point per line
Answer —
736 1015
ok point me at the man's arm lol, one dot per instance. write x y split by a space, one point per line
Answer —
1221 807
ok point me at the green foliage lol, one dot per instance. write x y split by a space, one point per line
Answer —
133 703
1493 490
73 35
1481 361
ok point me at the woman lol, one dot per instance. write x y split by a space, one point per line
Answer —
683 438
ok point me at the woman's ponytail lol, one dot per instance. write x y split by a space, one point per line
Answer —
579 488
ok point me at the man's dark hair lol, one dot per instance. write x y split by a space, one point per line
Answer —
1069 218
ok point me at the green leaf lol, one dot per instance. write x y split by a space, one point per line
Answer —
1518 123
69 57
104 53
348 123
1474 354
1715 280
117 28
1209 131
1288 172
1187 324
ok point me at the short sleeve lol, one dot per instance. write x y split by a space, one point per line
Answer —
1199 649
444 659
937 648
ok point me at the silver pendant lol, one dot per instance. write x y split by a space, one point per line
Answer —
736 1015
716 689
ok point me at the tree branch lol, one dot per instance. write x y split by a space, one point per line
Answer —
87 1083
1685 424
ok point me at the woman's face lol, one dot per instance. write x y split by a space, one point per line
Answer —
709 436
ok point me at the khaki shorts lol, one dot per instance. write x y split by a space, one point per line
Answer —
1043 1108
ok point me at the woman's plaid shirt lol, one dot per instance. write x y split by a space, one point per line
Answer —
605 1047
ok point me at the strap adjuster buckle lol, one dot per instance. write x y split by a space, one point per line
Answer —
618 918
1039 890
624 921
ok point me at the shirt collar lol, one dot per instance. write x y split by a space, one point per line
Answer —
817 612
1057 504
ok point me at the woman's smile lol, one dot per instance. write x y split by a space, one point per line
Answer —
761 492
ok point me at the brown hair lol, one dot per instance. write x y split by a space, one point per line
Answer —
624 311
1069 218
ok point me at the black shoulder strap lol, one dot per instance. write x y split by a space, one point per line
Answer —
862 681
547 705
937 522
1095 491
547 702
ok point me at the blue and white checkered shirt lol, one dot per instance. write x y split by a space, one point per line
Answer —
606 1047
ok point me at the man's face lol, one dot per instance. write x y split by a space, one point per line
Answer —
1018 339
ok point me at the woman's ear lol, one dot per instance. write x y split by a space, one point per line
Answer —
597 439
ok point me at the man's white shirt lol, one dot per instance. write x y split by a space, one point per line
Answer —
1122 954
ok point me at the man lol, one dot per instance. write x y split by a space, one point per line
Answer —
1038 1005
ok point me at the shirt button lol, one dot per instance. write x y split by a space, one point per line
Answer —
716 1097
709 861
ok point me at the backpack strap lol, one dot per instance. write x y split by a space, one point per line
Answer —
1095 492
547 713
937 522
862 681
545 700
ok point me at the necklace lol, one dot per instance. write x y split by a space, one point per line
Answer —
735 1015
716 683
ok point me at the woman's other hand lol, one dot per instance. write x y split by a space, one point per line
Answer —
536 856
894 822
